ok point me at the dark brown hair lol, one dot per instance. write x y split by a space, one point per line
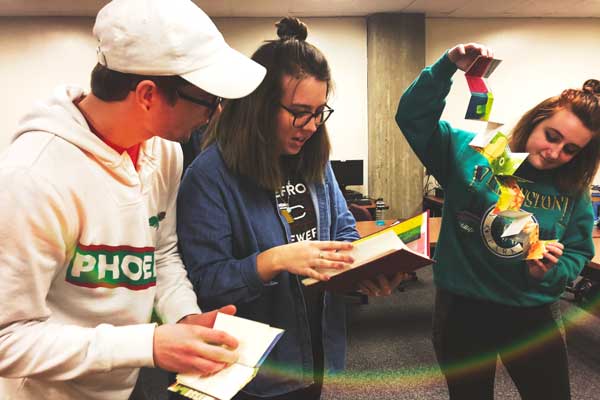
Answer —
110 85
577 175
246 130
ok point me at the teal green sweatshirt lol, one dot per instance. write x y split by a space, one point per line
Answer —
473 259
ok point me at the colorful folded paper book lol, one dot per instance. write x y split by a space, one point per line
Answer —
503 163
480 105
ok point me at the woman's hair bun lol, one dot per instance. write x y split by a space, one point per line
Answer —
291 28
592 86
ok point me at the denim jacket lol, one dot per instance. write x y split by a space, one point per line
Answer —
223 222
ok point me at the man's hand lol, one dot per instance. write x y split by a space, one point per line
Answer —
200 349
207 319
193 349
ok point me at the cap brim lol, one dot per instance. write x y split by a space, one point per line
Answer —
231 76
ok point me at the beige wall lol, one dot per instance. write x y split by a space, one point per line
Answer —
541 57
41 53
36 55
396 51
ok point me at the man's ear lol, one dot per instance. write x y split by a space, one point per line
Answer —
146 94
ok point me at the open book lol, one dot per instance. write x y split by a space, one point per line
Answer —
255 342
402 247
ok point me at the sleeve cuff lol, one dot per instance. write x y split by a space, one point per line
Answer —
130 346
546 281
443 67
250 276
175 310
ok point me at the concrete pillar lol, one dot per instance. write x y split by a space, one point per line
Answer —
396 55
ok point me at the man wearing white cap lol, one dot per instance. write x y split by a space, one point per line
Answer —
87 225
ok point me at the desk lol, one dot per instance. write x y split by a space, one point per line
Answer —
587 288
595 263
365 228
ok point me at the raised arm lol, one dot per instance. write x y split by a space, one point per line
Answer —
422 104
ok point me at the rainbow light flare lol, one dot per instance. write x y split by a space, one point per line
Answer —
426 376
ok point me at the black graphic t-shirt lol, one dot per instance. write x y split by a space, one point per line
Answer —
295 204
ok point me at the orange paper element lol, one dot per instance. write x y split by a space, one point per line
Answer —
511 196
535 247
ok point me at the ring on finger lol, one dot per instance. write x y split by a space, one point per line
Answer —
321 254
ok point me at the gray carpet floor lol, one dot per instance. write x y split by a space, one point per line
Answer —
390 355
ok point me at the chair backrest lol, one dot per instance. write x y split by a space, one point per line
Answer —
360 213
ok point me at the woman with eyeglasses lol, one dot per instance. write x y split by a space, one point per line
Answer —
259 209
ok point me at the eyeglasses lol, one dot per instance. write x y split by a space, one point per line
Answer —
212 106
301 118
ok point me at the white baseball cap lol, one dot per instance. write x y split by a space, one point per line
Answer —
173 37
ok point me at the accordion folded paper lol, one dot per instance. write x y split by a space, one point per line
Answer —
533 246
494 147
480 105
503 164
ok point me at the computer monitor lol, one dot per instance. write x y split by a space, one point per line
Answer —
348 172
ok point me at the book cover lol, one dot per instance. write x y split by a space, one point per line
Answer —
401 247
255 342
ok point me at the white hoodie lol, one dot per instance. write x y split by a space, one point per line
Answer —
87 248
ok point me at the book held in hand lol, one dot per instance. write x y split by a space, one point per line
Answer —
255 342
401 247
